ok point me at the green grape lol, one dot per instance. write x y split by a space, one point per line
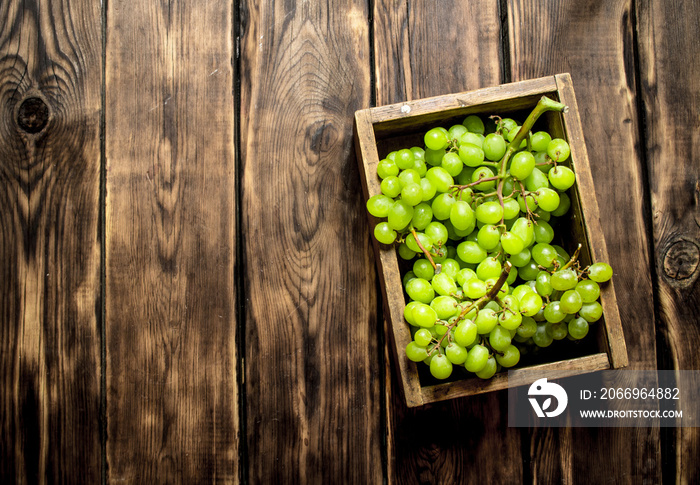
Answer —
507 125
436 139
511 209
379 205
530 304
488 237
578 328
409 176
539 141
474 124
527 328
418 153
522 165
589 290
399 215
564 279
521 290
527 203
510 356
452 163
499 338
456 131
524 229
475 288
464 275
483 173
422 238
384 233
428 189
442 206
510 320
489 369
477 358
543 215
521 259
544 255
542 337
558 331
423 269
444 306
475 139
600 272
440 178
488 268
548 199
391 186
451 267
564 205
387 168
434 157
462 216
391 156
465 333
440 367
420 167
405 252
422 216
511 243
570 302
437 233
412 194
444 284
489 213
408 312
513 133
486 320
553 312
561 178
558 150
470 155
471 252
404 158
423 337
494 147
529 271
415 352
420 290
536 180
407 277
543 232
591 312
456 353
543 284
424 315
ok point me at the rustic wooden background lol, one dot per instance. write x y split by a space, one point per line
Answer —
187 288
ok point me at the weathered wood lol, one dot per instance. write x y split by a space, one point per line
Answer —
312 355
593 41
172 403
670 91
421 50
50 67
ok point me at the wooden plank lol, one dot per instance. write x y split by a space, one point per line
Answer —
442 50
563 37
670 92
312 354
172 404
50 67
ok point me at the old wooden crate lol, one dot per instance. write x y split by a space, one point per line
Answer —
383 129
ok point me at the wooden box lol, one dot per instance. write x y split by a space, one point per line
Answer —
382 129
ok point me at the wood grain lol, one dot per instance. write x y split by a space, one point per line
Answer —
594 42
312 353
172 403
435 54
50 66
670 93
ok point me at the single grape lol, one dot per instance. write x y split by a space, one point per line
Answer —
437 233
578 328
564 279
543 232
408 312
522 165
415 352
544 255
462 216
384 233
510 320
440 178
553 312
420 290
489 213
527 328
589 290
424 316
475 288
570 302
444 284
524 229
558 150
456 353
440 367
489 268
456 131
412 194
530 304
488 237
489 369
561 178
564 205
442 206
521 259
434 157
543 284
486 320
499 338
510 356
591 312
471 252
539 141
387 168
409 176
404 158
423 337
464 275
379 205
475 139
600 272
391 186
511 209
548 199
474 124
477 358
418 153
436 139
423 269
465 333
422 216
541 338
445 307
412 242
428 189
451 267
452 163
400 215
529 271
494 146
536 180
511 243
558 331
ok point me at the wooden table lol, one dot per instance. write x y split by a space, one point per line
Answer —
187 288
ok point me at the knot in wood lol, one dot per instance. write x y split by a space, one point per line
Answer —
681 260
33 115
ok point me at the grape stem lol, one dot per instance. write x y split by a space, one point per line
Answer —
573 259
478 304
436 267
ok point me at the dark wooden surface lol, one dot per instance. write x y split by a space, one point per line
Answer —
187 285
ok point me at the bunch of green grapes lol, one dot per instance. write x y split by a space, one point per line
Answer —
474 215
